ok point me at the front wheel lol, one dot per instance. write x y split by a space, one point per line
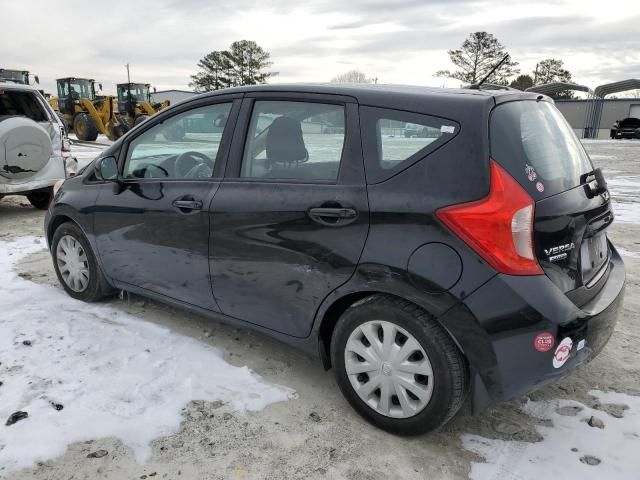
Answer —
76 265
85 128
397 366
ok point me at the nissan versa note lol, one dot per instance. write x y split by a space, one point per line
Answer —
473 259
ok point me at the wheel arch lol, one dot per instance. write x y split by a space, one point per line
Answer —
55 223
332 314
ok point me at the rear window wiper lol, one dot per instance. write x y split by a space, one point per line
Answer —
594 183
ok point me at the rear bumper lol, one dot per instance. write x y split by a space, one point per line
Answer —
497 325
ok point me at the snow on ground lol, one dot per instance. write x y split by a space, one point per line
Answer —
625 191
625 186
627 253
627 212
87 151
568 446
115 374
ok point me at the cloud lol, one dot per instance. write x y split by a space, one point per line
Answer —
402 41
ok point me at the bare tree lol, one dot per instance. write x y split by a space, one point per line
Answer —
352 76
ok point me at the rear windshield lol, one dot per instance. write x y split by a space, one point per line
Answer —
536 145
21 103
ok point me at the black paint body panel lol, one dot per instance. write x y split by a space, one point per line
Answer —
253 256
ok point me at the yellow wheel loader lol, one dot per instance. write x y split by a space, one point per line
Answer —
134 103
17 76
85 113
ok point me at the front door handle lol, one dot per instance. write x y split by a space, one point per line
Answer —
187 204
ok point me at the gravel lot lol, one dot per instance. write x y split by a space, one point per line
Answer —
315 434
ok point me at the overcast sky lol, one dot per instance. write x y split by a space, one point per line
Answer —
397 41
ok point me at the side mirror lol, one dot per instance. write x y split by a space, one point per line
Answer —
100 86
37 79
106 169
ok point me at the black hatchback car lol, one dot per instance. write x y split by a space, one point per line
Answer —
421 268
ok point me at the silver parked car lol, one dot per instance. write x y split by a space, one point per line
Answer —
34 147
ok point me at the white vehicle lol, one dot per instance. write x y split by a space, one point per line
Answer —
34 147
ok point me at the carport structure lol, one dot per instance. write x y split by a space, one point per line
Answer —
593 114
595 109
557 87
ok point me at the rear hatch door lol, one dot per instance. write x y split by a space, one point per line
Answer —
534 143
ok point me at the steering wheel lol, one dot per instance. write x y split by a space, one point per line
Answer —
155 171
187 163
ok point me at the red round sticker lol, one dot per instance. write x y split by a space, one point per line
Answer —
544 342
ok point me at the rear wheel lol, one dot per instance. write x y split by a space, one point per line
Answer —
76 265
41 199
397 366
85 127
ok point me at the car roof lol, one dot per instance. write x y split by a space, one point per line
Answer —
363 92
452 103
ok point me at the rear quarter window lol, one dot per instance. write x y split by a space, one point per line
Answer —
535 144
21 103
395 139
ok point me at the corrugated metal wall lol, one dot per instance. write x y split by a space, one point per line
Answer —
613 109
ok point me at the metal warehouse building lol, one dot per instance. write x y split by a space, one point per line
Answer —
577 113
174 96
594 117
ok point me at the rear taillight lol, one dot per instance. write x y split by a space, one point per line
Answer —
65 150
499 227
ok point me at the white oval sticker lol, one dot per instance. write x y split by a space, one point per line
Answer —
562 352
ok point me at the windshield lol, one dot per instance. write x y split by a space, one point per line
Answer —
136 92
78 88
535 144
15 76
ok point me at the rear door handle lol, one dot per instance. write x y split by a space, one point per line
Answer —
188 204
337 216
341 212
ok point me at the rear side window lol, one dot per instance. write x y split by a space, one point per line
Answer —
24 104
395 139
295 141
536 145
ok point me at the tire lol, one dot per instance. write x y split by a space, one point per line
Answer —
41 199
85 128
139 119
96 287
115 131
449 376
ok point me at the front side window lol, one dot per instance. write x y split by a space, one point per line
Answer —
183 146
395 139
294 140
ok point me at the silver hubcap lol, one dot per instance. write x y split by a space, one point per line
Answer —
388 369
72 263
